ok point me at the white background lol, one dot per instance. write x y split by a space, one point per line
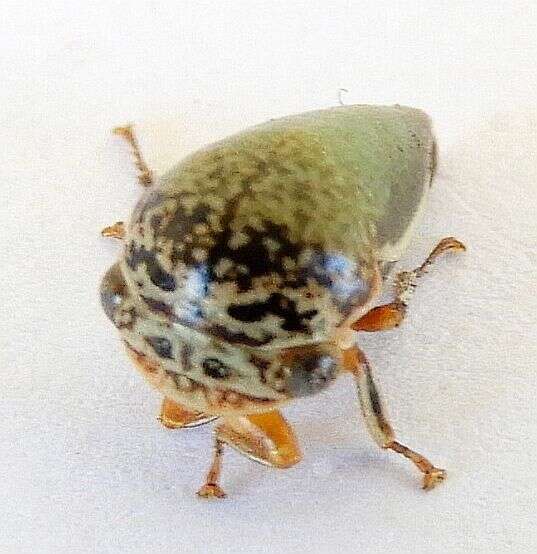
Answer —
84 465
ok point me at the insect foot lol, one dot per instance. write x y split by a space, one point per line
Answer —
211 490
433 478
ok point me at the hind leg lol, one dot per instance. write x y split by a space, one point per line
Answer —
174 416
266 438
376 420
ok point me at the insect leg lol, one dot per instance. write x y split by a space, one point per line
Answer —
174 416
377 422
145 175
266 438
389 316
211 488
115 231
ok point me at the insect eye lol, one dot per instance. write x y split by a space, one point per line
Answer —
310 371
112 291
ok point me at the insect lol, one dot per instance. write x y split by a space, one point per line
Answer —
249 269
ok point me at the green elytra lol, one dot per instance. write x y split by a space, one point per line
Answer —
339 188
267 240
350 178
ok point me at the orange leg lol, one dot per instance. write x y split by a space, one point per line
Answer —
389 316
211 488
376 419
145 175
381 318
174 416
266 438
115 231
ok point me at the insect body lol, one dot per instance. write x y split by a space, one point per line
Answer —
249 268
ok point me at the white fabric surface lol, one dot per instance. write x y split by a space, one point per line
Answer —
85 466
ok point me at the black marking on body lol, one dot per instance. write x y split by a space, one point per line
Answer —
262 366
254 254
214 368
376 406
222 332
158 307
266 251
181 225
161 345
186 357
276 304
130 316
137 255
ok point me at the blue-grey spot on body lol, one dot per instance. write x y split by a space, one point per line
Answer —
162 346
196 283
339 276
215 368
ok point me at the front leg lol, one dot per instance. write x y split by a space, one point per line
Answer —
145 175
115 231
377 422
266 438
389 316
